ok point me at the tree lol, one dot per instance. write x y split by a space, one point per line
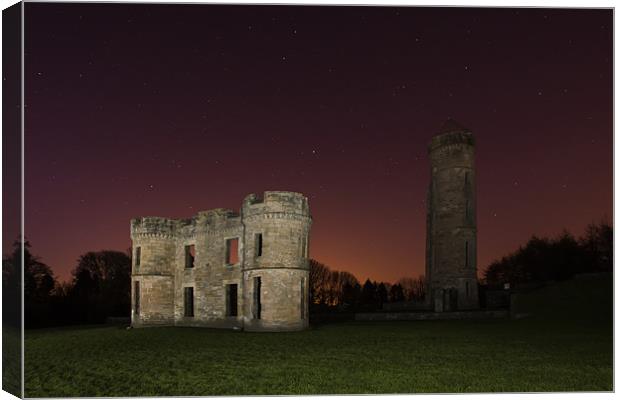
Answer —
597 244
327 287
413 288
39 283
369 294
102 285
11 286
559 258
382 294
351 295
318 277
396 293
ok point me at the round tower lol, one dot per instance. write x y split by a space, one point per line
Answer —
152 271
451 221
276 268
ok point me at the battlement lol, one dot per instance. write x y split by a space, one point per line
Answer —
451 138
276 202
217 215
290 203
153 226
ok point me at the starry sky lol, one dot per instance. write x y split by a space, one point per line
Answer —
136 109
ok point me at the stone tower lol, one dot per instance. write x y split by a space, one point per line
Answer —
246 270
451 221
276 277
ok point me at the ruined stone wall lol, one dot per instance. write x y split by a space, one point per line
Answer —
451 222
210 274
283 220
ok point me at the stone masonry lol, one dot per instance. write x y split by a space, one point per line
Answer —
451 277
246 270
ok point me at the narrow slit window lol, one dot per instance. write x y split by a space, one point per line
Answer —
303 298
258 244
190 255
232 251
304 247
231 300
189 302
467 254
138 250
466 288
136 297
257 305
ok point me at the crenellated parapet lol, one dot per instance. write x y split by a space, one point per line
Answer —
452 149
452 138
276 205
155 227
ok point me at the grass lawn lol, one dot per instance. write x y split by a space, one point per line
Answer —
539 353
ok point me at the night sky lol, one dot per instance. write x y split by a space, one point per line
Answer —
166 110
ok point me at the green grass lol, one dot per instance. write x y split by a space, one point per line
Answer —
533 354
11 360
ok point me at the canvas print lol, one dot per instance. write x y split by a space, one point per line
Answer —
234 199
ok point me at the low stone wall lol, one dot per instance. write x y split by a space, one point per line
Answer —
400 306
423 316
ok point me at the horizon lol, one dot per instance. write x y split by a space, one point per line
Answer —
481 271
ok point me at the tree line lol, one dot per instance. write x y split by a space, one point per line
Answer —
99 288
340 290
544 259
100 283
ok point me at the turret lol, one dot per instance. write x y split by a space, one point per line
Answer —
276 261
153 252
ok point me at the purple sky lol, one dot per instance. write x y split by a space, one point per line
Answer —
166 110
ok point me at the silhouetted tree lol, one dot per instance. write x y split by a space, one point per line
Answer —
11 286
351 295
318 276
559 258
413 288
369 295
396 293
102 285
327 287
382 294
39 283
598 244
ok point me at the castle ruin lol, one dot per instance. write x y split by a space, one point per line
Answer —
250 270
451 277
222 269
